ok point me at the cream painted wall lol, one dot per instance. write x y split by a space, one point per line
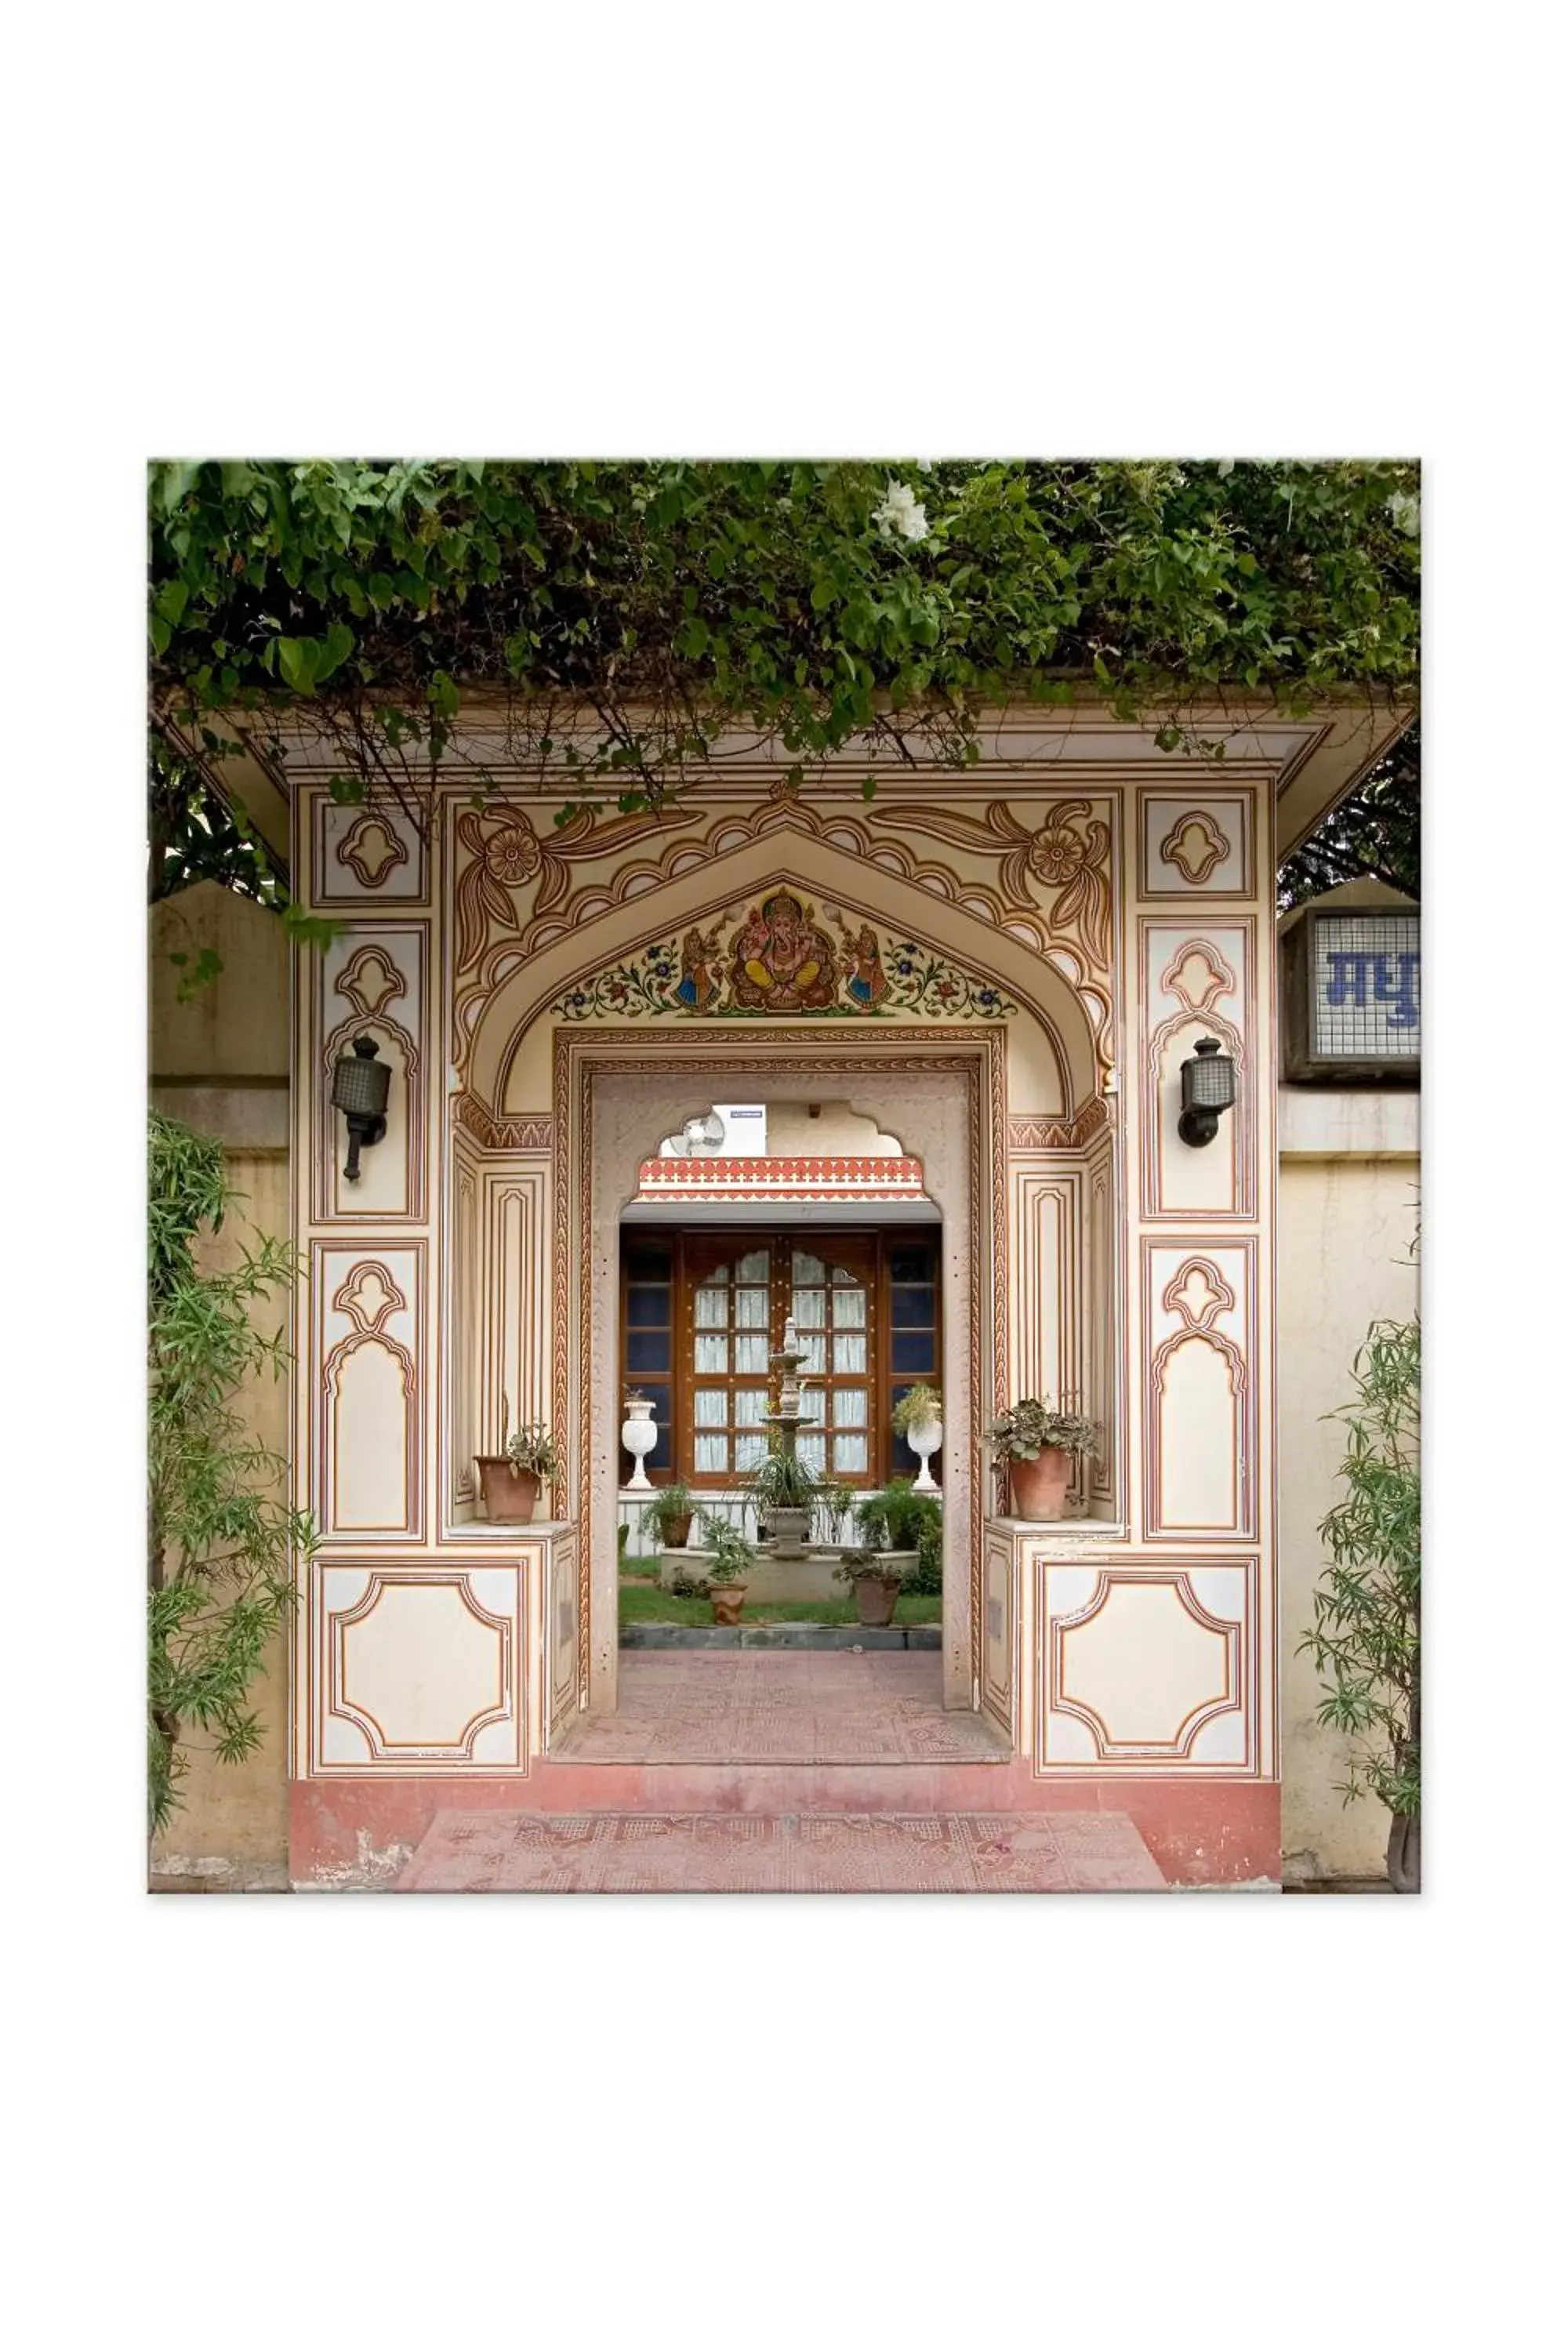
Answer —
212 1061
1348 1177
793 1133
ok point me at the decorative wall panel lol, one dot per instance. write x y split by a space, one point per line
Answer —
374 982
1197 846
1047 1334
561 1633
1200 1437
515 1371
363 857
367 1305
462 1358
419 1665
1103 1387
1198 983
998 1639
1149 1665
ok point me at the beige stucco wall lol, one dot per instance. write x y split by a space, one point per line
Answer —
221 1063
1348 1176
793 1130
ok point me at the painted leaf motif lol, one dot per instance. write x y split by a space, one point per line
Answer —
473 928
494 898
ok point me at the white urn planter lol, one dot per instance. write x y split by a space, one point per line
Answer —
639 1435
925 1439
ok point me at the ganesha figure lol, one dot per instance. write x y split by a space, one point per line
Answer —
781 961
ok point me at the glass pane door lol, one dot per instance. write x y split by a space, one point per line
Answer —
730 1339
831 1296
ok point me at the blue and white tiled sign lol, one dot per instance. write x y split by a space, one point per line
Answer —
1366 987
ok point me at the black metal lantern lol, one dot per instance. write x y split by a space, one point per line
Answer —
359 1088
1208 1087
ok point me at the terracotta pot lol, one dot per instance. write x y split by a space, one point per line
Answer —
727 1602
876 1598
674 1533
510 1494
1040 1487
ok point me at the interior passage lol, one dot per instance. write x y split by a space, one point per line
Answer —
755 1707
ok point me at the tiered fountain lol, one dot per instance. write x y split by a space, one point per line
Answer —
790 1528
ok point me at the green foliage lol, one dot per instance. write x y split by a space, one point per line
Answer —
1023 1432
679 1603
925 1577
918 1405
531 1448
1365 1639
220 1538
782 1482
899 1518
626 612
731 1554
856 1560
195 837
671 1505
1376 831
837 1498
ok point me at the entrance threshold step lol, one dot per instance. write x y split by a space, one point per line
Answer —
780 1637
495 1853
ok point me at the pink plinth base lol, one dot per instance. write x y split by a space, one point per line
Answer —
363 1832
494 1852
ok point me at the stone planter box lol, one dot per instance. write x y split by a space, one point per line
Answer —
810 1578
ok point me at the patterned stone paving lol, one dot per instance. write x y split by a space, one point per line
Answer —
781 1853
799 1707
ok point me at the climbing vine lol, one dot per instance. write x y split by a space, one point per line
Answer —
627 615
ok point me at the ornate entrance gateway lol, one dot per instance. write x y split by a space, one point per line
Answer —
1004 971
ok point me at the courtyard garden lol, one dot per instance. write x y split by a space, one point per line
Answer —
644 1602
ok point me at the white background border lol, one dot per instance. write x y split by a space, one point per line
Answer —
1220 230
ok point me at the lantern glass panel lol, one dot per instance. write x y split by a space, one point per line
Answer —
1211 1082
360 1087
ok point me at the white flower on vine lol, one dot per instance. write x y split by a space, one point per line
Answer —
902 511
1226 465
1404 512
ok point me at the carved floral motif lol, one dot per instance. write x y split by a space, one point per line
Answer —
1052 887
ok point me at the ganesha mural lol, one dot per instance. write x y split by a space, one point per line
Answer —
780 956
781 961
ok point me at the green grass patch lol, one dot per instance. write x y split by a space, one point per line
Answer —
645 1604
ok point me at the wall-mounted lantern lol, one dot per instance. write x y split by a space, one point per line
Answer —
1208 1087
361 1085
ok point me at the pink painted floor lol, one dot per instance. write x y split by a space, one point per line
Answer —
493 1853
789 1707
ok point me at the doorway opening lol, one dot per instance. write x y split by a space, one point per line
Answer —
730 1260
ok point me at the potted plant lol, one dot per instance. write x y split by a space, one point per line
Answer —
917 1419
670 1513
892 1526
784 1491
511 1480
876 1592
1037 1444
730 1556
837 1499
